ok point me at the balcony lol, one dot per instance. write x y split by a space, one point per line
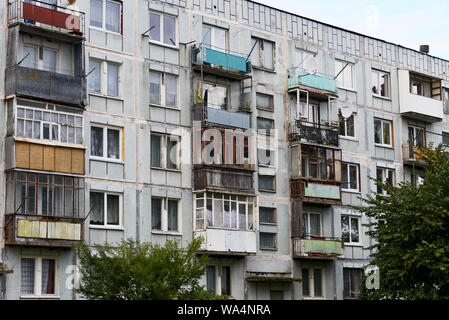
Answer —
48 17
46 86
411 155
222 178
220 117
316 191
33 230
315 133
317 248
423 108
217 61
320 83
228 242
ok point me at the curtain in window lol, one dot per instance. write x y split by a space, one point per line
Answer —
156 214
318 292
210 279
172 218
97 208
113 203
242 216
155 88
315 224
172 153
113 20
113 79
155 26
170 90
113 144
268 54
30 61
345 229
155 151
354 230
48 276
49 60
169 30
96 141
27 275
95 76
96 13
218 213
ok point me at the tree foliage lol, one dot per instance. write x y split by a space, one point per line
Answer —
142 271
411 249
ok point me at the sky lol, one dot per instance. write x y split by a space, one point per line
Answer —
409 23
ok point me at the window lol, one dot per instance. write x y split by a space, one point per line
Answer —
380 83
163 89
215 95
446 99
223 277
301 58
210 279
350 229
45 195
106 15
345 79
164 214
420 86
267 215
446 138
264 101
351 283
215 38
350 177
163 28
265 157
45 60
38 276
417 136
165 151
106 208
347 128
224 211
267 240
264 126
104 78
267 183
226 280
263 53
318 163
385 175
312 283
383 132
49 123
312 222
106 142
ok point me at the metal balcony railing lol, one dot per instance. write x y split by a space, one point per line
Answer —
313 81
320 247
46 15
315 132
206 114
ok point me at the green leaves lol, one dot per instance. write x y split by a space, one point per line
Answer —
412 249
142 271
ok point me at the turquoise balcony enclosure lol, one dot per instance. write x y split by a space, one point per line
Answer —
219 61
313 81
315 248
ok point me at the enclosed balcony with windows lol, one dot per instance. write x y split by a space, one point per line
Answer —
313 117
226 222
316 174
43 209
420 96
47 16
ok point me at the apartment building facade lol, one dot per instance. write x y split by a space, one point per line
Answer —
252 127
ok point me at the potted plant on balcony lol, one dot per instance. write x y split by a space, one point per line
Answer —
246 107
197 95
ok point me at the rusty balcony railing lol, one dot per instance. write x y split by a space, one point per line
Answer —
223 178
316 133
46 15
317 248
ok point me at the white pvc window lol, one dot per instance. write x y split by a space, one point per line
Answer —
350 177
105 209
350 229
106 15
346 78
165 214
380 83
312 222
162 28
383 132
106 142
49 125
104 77
163 89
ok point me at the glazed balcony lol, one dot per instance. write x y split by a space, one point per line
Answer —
46 85
313 81
301 130
221 62
45 16
209 115
317 248
223 178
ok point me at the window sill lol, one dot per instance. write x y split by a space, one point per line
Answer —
107 160
347 89
380 97
266 166
166 233
268 191
263 69
105 31
263 109
164 107
383 146
161 44
350 244
348 138
268 223
166 169
108 228
314 298
351 191
34 297
50 143
268 249
96 94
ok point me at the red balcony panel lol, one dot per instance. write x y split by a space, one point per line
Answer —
51 17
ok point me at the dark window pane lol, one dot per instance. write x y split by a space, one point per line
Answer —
345 229
267 215
113 144
317 283
172 219
97 208
155 151
305 283
113 203
156 214
96 141
48 276
27 276
226 281
210 279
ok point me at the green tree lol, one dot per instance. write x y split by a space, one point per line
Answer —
411 248
142 271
